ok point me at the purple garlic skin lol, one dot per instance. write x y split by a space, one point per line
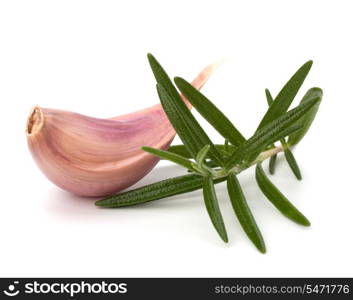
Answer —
98 157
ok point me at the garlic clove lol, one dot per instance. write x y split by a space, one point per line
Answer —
96 157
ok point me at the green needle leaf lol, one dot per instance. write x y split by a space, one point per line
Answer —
275 130
210 112
211 164
309 118
188 129
259 143
292 163
155 191
162 77
272 164
278 199
254 146
269 97
286 95
212 206
243 213
226 145
175 158
287 152
179 115
182 150
200 157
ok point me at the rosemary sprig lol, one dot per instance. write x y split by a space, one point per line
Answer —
211 163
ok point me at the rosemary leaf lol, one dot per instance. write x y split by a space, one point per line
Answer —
181 150
210 112
286 95
187 127
287 152
259 143
292 163
211 164
162 77
256 145
275 130
243 213
212 207
155 191
309 118
278 199
269 97
176 158
200 157
226 145
272 164
208 163
179 115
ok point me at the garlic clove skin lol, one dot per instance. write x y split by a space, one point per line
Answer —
94 157
97 157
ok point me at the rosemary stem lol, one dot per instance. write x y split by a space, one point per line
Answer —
266 154
262 156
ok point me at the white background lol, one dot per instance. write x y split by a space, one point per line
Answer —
90 57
